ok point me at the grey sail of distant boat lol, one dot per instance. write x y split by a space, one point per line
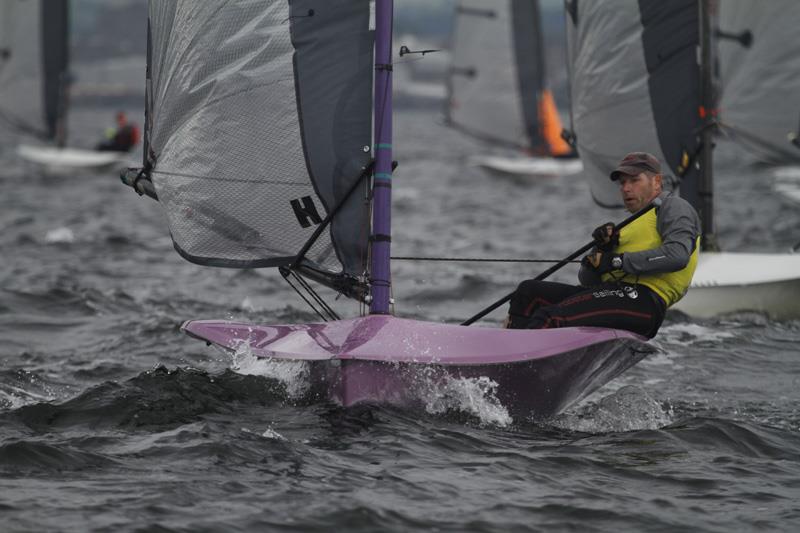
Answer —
759 57
258 125
34 55
497 87
635 86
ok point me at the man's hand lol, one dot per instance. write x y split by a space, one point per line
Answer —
606 237
602 262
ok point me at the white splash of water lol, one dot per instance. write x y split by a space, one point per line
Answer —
476 396
660 358
628 409
247 304
691 333
672 340
269 433
296 375
272 434
15 397
59 235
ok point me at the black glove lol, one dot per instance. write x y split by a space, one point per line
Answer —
602 262
606 237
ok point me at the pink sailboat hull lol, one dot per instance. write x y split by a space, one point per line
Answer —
384 359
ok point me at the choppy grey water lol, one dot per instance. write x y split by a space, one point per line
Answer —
111 419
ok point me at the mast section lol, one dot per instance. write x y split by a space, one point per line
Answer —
382 179
708 110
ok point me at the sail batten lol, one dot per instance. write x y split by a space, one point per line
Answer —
258 119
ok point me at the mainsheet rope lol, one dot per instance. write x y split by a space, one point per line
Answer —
479 259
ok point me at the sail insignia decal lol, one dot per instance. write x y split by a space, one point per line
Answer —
306 212
683 166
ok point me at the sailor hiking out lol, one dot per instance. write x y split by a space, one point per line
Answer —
631 276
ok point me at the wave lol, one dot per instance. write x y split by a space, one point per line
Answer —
157 398
33 455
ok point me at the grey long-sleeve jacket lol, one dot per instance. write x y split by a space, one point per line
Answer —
679 227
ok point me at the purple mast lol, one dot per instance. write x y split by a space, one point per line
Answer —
382 180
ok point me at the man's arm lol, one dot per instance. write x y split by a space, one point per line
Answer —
679 227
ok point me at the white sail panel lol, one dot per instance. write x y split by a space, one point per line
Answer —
760 90
259 124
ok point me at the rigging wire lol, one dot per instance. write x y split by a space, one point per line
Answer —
327 308
303 296
23 127
285 272
479 259
755 142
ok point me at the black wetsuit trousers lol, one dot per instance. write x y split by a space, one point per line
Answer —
547 304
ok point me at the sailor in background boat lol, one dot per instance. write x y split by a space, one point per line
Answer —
121 138
630 277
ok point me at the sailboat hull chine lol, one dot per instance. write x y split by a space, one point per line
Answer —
384 359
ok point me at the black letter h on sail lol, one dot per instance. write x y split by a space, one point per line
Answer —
306 211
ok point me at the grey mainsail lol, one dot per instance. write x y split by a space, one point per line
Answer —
258 123
760 78
498 71
635 86
34 56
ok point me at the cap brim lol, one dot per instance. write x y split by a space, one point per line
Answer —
628 171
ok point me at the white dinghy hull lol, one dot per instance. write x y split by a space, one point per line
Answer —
528 166
737 282
67 160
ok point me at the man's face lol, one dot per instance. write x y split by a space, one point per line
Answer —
638 191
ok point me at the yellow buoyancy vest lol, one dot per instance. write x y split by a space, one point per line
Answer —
642 234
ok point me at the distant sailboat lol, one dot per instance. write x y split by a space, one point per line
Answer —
34 79
497 87
643 93
260 148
